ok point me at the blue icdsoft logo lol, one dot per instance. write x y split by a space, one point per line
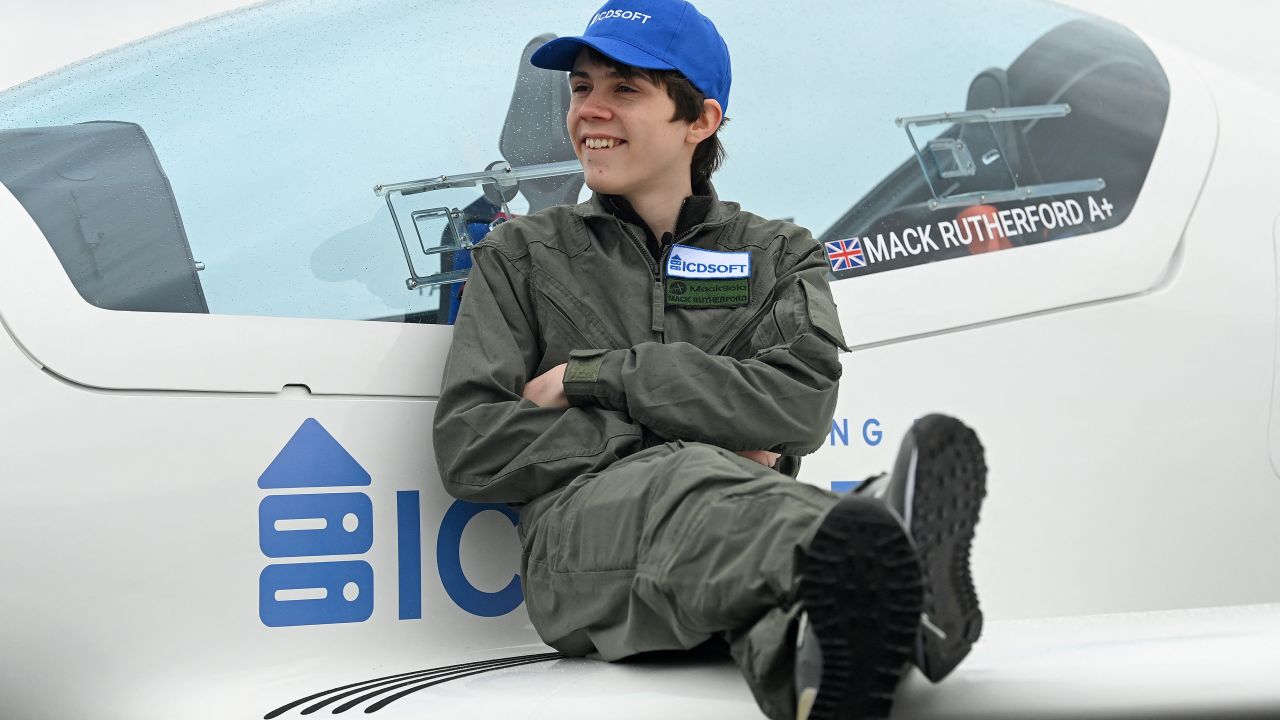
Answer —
695 263
299 527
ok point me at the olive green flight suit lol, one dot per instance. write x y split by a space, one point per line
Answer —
642 530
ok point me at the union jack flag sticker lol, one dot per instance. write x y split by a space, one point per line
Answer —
845 254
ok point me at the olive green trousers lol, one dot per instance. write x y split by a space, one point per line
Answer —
667 549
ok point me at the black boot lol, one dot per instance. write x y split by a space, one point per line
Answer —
860 588
937 487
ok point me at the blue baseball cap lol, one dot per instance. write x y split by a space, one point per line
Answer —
655 35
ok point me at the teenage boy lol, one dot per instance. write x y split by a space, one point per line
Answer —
639 374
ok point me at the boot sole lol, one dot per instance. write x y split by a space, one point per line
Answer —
862 588
950 484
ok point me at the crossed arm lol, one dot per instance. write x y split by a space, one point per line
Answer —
547 390
502 435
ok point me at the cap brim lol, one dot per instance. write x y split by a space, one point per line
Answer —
560 53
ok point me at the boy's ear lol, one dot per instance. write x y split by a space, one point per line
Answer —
707 123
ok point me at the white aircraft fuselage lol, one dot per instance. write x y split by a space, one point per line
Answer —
237 512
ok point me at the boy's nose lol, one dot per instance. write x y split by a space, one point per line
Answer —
593 108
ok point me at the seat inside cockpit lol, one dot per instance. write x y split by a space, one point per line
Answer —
1117 96
534 133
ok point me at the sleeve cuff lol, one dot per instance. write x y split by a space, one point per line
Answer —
594 377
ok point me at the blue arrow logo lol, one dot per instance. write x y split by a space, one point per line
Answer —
313 458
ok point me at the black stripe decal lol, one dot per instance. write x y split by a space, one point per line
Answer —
435 676
388 700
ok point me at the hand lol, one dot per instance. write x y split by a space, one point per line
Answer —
764 457
547 390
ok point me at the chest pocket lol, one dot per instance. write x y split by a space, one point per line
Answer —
565 323
800 309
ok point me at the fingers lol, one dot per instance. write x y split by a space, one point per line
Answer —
764 457
547 389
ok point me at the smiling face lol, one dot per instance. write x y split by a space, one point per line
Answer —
623 131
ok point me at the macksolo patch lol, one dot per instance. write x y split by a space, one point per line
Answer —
691 293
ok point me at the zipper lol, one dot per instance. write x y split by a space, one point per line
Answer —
660 295
657 296
657 302
644 252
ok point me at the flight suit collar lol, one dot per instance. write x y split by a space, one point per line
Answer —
704 207
693 210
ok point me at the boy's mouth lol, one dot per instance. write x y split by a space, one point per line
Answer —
601 143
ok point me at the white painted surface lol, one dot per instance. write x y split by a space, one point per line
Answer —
1198 663
171 351
131 541
1236 34
1130 442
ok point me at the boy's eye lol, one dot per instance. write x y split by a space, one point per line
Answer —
620 88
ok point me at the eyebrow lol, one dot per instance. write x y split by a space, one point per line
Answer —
584 75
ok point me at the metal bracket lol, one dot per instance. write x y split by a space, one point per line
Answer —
499 179
952 159
452 216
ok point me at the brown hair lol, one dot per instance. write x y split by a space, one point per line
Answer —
709 156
